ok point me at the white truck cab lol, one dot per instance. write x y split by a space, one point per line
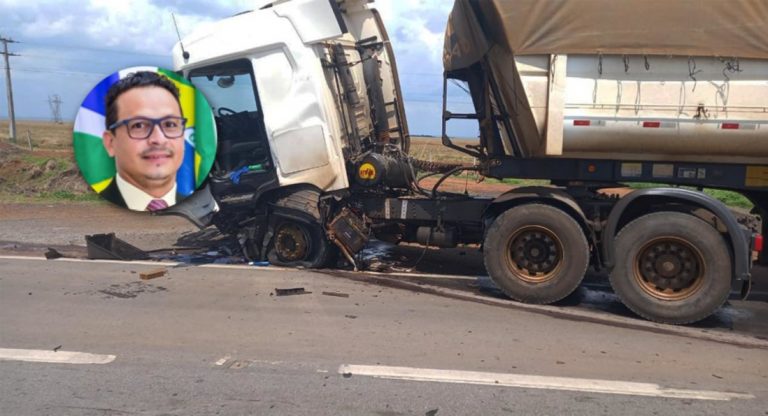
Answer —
274 78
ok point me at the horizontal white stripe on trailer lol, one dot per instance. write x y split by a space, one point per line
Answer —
54 357
535 382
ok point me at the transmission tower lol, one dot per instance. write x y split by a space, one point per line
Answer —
54 101
9 90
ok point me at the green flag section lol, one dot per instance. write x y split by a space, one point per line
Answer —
89 151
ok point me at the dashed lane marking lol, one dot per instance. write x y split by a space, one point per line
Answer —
54 357
535 382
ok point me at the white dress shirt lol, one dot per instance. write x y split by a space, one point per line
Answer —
138 200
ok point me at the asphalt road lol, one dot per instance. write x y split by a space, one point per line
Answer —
204 340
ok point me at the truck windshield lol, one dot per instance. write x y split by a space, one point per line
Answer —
227 86
231 91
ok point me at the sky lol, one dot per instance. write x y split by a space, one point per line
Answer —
66 47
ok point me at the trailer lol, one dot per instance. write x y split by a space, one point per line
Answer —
313 143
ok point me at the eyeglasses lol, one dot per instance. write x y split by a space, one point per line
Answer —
140 128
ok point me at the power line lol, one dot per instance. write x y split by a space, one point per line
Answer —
8 87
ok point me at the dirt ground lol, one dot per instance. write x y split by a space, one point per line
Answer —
42 134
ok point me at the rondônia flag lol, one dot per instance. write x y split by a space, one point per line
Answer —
199 137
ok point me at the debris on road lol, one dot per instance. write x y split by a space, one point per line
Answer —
130 290
291 291
53 254
336 294
56 349
153 274
109 247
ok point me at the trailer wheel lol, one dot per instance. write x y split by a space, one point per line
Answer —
536 253
676 270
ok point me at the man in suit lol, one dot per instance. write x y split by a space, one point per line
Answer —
145 134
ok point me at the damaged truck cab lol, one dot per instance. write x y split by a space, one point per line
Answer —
302 91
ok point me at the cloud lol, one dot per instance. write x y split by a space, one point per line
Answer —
416 27
140 26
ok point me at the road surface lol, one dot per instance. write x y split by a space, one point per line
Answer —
88 338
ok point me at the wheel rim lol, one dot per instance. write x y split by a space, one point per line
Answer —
292 243
534 254
669 268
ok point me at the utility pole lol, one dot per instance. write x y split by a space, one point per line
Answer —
11 115
54 102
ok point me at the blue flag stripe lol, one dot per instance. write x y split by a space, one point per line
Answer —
95 99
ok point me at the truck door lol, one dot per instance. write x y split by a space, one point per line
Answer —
243 168
244 164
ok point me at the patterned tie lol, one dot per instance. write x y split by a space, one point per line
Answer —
157 205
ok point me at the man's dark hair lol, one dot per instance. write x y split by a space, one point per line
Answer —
136 80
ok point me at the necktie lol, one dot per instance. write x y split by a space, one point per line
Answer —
157 205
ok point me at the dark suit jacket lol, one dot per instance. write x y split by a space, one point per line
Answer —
112 194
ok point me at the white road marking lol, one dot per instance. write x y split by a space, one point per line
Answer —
536 382
233 267
133 262
58 357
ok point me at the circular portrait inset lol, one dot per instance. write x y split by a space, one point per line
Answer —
145 138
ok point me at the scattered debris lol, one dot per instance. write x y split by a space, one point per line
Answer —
130 290
56 349
222 361
336 294
117 294
153 274
237 365
291 291
259 263
109 247
52 254
350 316
432 412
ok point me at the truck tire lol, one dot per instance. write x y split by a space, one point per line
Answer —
299 244
675 268
536 253
298 239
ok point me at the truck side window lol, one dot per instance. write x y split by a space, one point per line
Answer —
231 91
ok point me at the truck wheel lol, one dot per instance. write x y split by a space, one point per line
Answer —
298 238
298 244
536 253
672 268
